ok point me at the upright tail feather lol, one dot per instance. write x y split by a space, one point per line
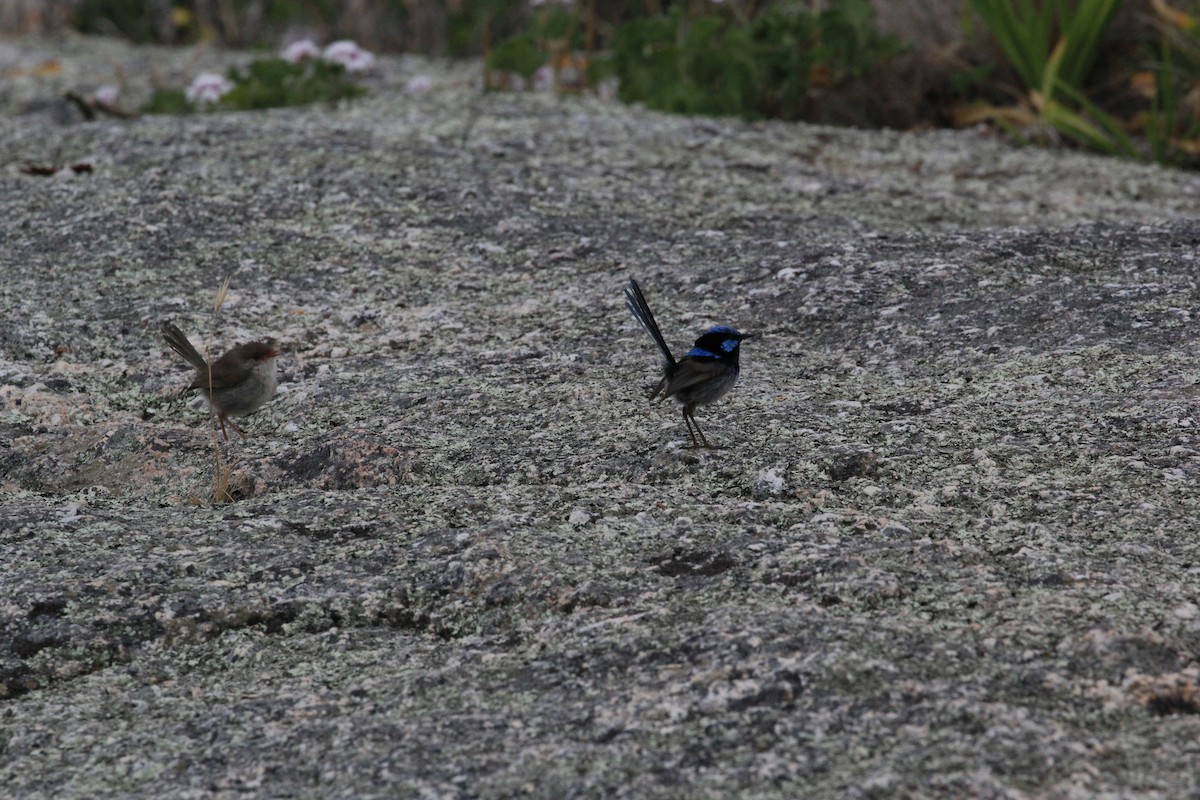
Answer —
180 344
641 312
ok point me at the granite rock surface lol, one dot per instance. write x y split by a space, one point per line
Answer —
949 547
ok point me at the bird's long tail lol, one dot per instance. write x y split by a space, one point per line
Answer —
180 344
641 312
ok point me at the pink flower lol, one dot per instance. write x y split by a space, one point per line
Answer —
207 88
299 51
107 95
418 84
349 55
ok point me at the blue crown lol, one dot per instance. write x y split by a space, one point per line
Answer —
719 342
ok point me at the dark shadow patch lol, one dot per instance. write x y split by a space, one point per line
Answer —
843 466
694 562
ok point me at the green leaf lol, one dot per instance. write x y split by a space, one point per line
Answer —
518 54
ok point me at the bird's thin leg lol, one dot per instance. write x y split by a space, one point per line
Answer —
236 429
707 446
223 419
687 420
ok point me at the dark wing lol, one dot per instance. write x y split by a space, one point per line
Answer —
231 369
693 371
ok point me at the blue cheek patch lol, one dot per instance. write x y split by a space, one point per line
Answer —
729 345
700 352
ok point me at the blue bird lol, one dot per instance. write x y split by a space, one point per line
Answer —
704 375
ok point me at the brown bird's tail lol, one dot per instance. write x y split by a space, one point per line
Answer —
180 344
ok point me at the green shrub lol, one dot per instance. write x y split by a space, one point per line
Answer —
549 35
1172 125
1051 45
267 83
519 55
273 82
766 67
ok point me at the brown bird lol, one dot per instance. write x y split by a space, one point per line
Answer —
236 384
